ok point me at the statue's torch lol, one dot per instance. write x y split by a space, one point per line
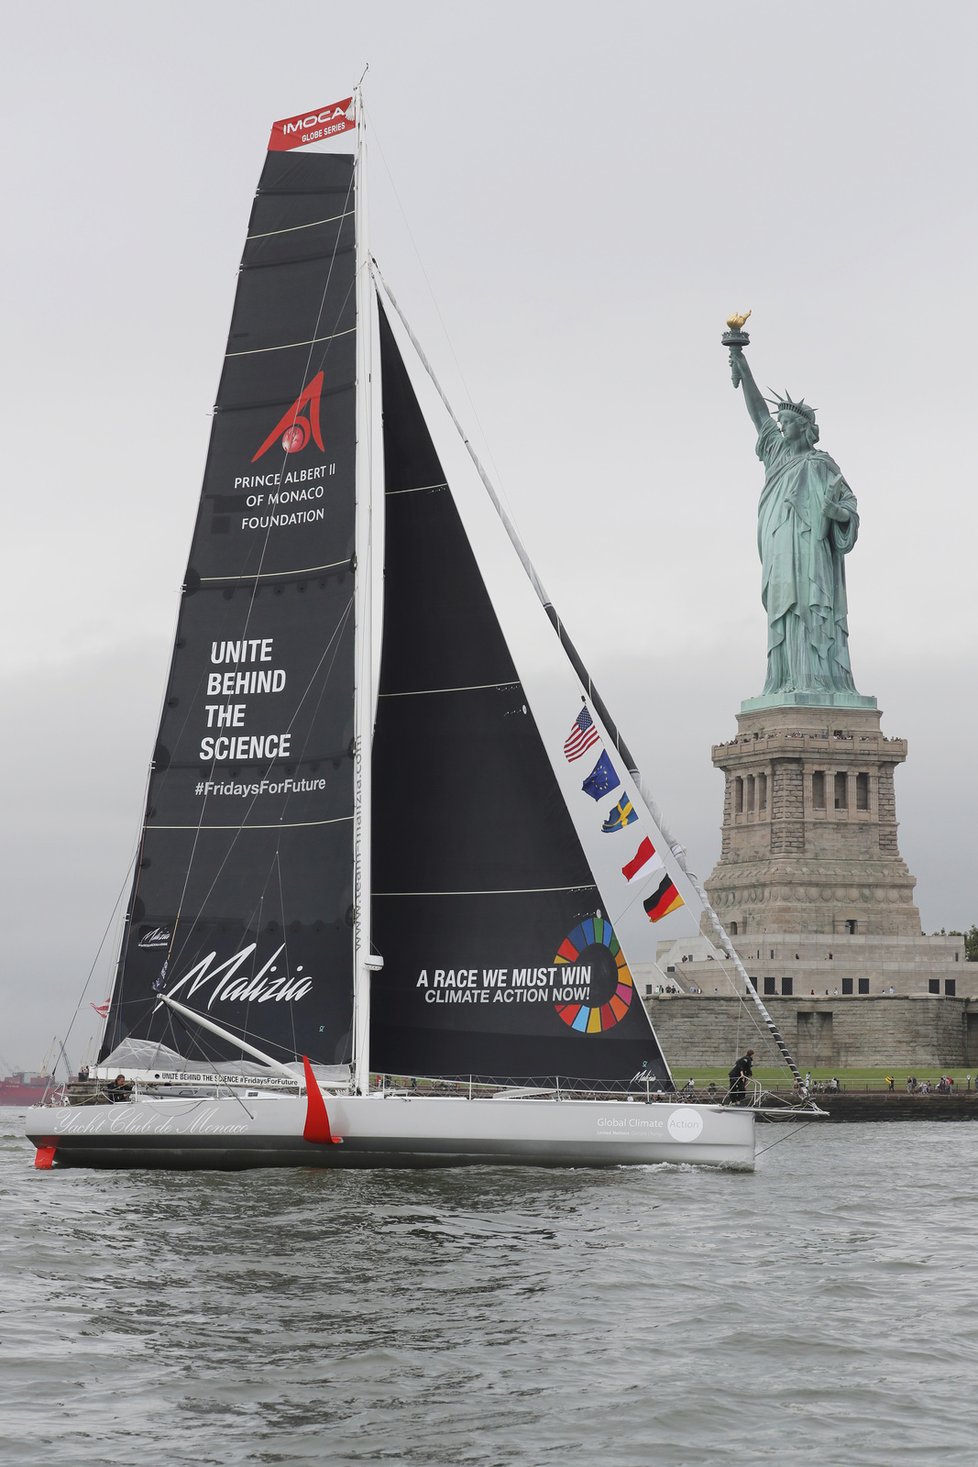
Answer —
735 338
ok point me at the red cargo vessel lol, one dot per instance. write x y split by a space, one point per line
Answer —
23 1089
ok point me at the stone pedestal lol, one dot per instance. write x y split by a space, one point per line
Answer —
809 827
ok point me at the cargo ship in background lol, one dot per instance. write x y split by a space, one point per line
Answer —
22 1088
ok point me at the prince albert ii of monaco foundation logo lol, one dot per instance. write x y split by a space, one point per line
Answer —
294 429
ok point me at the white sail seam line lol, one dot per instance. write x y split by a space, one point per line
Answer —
293 228
500 891
302 570
390 493
276 825
471 688
258 351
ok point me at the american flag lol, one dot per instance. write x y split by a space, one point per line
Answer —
582 735
101 1008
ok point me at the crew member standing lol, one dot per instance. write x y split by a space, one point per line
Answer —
739 1075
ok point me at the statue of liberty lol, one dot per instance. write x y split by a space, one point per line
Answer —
807 522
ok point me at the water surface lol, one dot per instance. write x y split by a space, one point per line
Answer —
822 1310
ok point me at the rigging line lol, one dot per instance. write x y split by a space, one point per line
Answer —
285 452
285 938
802 1126
261 558
98 951
335 641
227 615
434 299
677 851
241 827
305 375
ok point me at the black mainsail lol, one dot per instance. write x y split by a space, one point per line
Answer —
498 960
242 903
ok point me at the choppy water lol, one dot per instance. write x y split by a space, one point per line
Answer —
823 1310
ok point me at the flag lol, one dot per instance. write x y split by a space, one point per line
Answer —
638 867
101 1009
312 127
601 779
582 735
664 899
619 816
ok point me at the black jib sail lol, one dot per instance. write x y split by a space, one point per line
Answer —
242 902
498 961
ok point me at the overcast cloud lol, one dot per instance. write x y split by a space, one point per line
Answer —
591 191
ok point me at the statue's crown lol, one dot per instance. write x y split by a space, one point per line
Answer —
786 405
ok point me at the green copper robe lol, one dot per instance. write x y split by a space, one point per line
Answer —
803 582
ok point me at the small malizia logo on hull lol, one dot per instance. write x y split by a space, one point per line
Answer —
293 430
155 937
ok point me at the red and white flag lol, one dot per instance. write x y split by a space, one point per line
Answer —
312 127
643 863
101 1009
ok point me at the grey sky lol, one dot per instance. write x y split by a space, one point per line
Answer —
591 190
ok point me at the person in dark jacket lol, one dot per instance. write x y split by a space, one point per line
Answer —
739 1075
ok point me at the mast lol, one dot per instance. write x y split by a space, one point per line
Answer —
580 669
363 698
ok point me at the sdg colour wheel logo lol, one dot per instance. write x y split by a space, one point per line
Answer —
593 944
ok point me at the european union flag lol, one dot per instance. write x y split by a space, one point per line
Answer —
601 779
621 815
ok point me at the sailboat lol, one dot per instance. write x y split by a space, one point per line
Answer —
431 871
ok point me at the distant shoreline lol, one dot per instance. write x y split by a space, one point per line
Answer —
896 1105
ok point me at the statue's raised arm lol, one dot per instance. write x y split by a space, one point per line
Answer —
807 522
743 377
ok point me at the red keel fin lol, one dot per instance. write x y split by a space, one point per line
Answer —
317 1126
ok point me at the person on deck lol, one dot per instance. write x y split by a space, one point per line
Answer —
739 1075
119 1089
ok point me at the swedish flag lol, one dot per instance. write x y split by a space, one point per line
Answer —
621 815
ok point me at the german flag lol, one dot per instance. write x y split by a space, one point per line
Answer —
664 899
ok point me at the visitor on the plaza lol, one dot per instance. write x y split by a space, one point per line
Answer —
889 1082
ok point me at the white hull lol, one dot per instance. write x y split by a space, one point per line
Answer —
393 1130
